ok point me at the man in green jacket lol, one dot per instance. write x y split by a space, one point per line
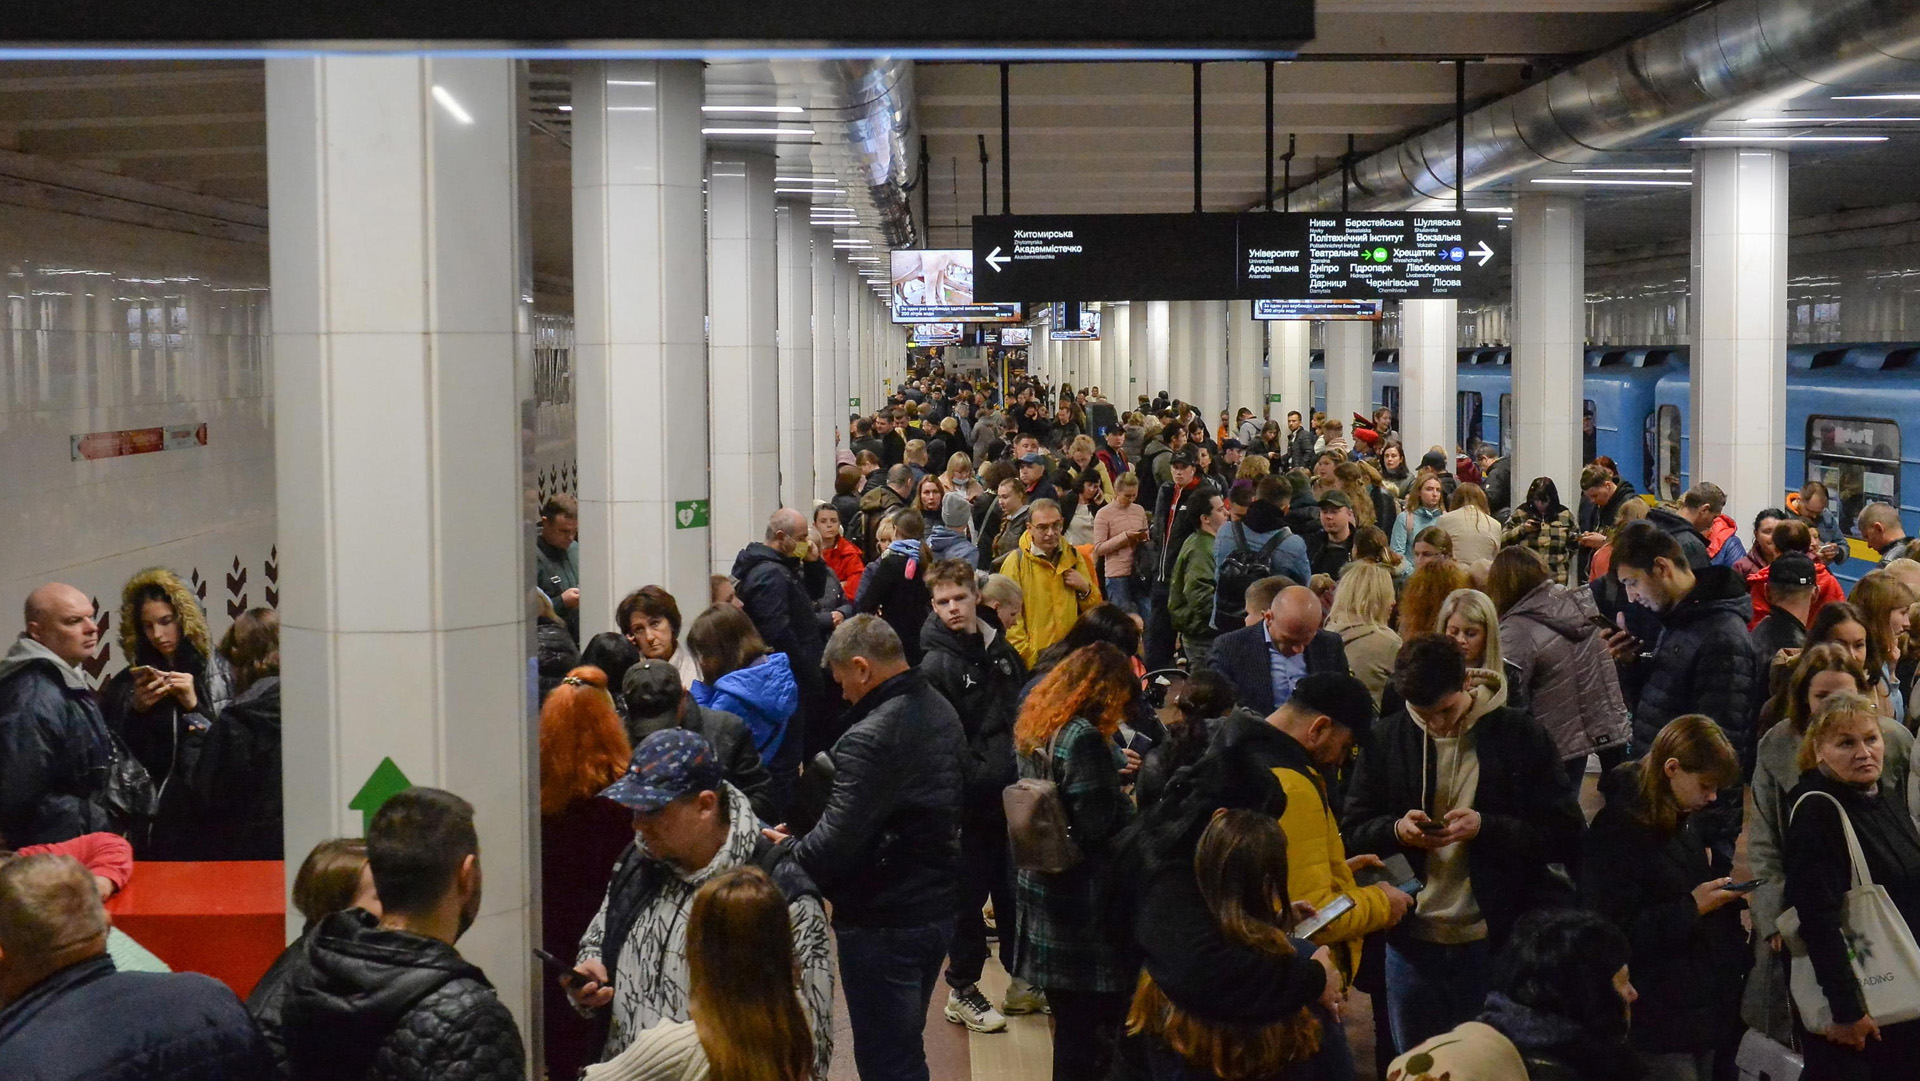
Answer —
556 559
1190 592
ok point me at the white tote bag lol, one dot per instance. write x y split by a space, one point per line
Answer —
1886 963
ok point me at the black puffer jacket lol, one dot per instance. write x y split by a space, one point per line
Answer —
982 682
555 653
375 1005
886 849
1703 663
778 601
54 750
88 1022
237 777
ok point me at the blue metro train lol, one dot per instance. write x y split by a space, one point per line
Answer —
1846 407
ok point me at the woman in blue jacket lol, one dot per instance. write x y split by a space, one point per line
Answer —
1422 508
741 675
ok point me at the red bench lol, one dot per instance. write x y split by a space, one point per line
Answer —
227 920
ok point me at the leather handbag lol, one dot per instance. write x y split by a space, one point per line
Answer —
1880 947
1038 831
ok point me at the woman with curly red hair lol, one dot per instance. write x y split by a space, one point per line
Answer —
1065 735
583 749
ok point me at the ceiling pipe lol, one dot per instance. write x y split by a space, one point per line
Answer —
876 101
1678 76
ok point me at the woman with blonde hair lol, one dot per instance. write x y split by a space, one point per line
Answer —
583 749
1644 872
1061 946
1362 611
1424 506
1883 600
1469 618
1824 671
959 476
1253 467
1475 531
745 1022
1352 480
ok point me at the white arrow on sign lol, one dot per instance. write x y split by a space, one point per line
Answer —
1482 253
994 258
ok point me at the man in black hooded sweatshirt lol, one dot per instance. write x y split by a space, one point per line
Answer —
389 998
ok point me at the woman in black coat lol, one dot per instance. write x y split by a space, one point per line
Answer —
1644 871
1842 758
237 776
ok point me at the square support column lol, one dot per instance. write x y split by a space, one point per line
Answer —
1210 359
1287 370
799 463
1180 350
1429 352
743 349
403 388
1159 371
829 397
639 315
1549 340
1738 316
1349 371
1246 348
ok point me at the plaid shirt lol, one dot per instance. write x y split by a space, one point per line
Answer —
1060 942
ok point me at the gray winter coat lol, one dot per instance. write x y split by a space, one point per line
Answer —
1565 670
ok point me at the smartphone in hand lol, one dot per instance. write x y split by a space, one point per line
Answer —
567 976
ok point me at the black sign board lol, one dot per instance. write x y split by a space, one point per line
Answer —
1237 256
1362 256
1103 257
1316 309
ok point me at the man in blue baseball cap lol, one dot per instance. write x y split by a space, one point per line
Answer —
689 825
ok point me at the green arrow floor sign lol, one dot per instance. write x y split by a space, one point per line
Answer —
383 784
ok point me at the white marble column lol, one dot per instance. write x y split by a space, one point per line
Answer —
639 307
1738 316
1549 340
1246 347
1287 370
829 404
1210 372
402 382
743 349
1159 372
1116 357
1429 333
1180 350
846 352
799 463
1349 370
1139 338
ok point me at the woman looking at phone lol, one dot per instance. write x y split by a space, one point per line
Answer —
1644 873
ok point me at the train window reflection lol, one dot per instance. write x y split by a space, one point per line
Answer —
1589 431
1506 423
1468 423
1666 447
1858 459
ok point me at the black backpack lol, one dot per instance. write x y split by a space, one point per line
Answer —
1242 567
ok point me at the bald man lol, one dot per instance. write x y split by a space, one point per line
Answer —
66 1014
54 747
776 580
1264 661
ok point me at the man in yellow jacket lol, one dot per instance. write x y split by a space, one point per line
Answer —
1056 582
1316 729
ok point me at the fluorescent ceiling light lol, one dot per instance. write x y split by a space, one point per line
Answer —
1636 171
629 82
451 106
1877 97
1832 119
806 180
1617 183
1783 139
756 131
565 108
751 109
850 243
807 191
1489 210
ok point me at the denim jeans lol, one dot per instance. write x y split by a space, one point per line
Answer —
1124 592
1433 988
888 975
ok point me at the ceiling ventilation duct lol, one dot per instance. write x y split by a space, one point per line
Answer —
1680 75
876 102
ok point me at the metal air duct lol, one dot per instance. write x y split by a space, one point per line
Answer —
876 99
1675 77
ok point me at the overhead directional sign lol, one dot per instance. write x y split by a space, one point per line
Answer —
1255 256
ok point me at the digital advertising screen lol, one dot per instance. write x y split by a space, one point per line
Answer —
1016 337
936 286
1317 309
930 334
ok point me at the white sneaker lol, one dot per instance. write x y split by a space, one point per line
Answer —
969 1007
1023 997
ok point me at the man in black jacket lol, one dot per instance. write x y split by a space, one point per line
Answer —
1496 478
389 998
54 746
886 849
1602 496
67 1015
776 590
969 661
1471 793
1170 531
1264 661
657 701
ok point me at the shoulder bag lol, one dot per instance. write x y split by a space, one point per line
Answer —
1037 826
1880 947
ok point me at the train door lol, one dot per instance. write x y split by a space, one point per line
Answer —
1506 424
1467 422
1589 431
1663 453
1390 401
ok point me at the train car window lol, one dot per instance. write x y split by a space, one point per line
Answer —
1467 425
1858 459
1666 453
1589 431
1506 423
1390 399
